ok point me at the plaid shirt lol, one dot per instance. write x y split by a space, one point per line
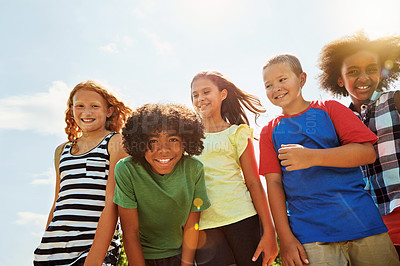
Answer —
382 178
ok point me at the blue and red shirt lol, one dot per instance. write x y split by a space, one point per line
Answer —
325 204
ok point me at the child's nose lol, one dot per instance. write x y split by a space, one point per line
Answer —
363 76
163 147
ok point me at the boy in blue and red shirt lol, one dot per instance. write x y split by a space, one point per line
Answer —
310 156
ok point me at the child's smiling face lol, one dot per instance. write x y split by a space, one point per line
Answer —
283 87
165 151
360 75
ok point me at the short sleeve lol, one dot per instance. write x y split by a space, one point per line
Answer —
241 138
200 198
349 128
269 162
124 194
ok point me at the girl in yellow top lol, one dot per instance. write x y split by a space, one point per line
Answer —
230 228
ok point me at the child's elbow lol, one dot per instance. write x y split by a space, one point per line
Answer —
370 154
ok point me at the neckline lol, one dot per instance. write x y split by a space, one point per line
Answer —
85 153
302 112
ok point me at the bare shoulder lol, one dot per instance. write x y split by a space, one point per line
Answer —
59 149
115 146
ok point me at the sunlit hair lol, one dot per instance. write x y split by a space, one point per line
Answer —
153 119
114 123
232 110
333 54
292 60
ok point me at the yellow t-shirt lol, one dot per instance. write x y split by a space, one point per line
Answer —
230 199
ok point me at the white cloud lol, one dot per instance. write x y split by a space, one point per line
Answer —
119 43
41 112
162 47
49 178
138 13
31 218
111 48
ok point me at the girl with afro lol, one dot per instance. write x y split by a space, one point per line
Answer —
365 69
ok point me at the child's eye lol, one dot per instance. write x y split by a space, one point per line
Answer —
152 141
282 79
206 92
353 72
267 87
195 96
174 140
372 70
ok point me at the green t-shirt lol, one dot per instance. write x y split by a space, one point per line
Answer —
163 202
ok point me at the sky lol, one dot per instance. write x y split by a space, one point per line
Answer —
143 51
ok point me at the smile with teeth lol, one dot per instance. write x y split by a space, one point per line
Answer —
280 96
362 87
87 119
163 161
201 107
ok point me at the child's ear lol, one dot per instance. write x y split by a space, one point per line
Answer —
340 82
224 94
303 78
110 111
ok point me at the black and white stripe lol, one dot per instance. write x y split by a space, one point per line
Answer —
81 200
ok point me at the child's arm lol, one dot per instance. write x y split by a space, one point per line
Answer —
57 155
397 100
190 238
109 216
131 237
292 252
268 243
296 157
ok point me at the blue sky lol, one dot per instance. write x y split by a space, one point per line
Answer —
144 51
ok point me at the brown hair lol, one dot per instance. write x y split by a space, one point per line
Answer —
232 110
113 123
292 60
332 56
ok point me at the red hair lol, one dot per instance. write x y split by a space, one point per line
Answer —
114 123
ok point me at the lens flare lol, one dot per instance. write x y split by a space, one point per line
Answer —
198 203
388 64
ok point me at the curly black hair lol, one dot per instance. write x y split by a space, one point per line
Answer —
332 56
152 119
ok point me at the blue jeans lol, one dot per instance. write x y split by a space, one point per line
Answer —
233 244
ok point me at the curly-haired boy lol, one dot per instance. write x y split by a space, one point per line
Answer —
160 190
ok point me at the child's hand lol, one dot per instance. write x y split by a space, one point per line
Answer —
293 253
295 157
270 249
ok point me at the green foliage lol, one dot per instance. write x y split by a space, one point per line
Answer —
122 261
278 260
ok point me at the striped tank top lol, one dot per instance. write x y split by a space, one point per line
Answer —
81 200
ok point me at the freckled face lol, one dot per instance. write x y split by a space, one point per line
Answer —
90 110
360 75
165 152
